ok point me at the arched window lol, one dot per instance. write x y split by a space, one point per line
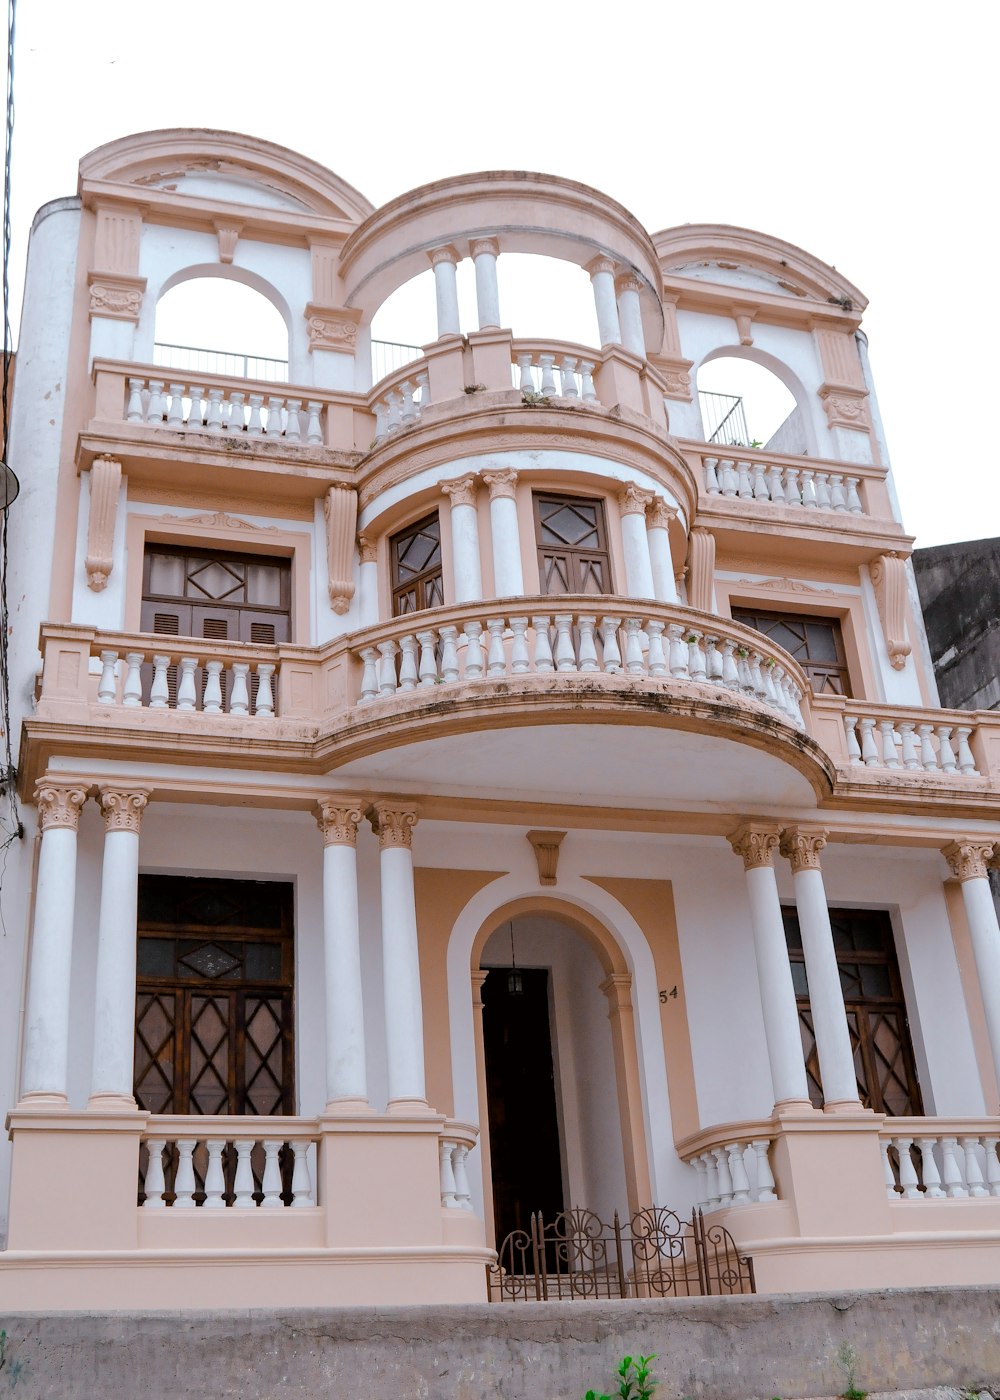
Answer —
215 325
743 404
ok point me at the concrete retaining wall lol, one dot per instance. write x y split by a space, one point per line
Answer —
708 1349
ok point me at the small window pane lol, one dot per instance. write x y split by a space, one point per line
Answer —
264 585
215 580
262 962
799 979
875 980
156 957
166 575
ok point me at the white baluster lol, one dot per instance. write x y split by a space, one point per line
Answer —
424 389
447 1174
133 412
737 1170
728 478
950 1173
699 1165
449 654
713 660
428 660
215 1182
408 674
520 661
175 407
887 1173
159 691
966 762
212 699
725 1178
823 490
853 499
239 698
775 484
946 753
992 1165
678 652
408 412
634 664
712 1178
792 497
213 414
869 749
760 491
237 418
656 657
851 735
889 756
314 428
184 1182
187 695
588 647
743 670
548 377
196 413
243 1180
132 689
610 652
780 681
543 649
107 691
496 658
565 652
908 1179
808 490
911 759
766 674
274 407
837 498
462 1193
712 476
387 668
929 1168
730 670
765 1177
928 758
474 663
264 708
155 406
302 1190
154 1184
795 701
973 1171
271 1182
757 680
587 378
744 485
369 675
567 373
293 424
525 381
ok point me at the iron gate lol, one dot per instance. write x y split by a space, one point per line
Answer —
655 1254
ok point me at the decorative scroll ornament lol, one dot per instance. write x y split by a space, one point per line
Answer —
676 378
701 569
969 860
502 483
462 490
801 846
105 485
340 508
445 254
846 408
628 282
59 804
123 808
661 515
333 327
546 845
220 518
888 574
633 500
484 245
338 818
393 825
756 844
600 264
786 585
116 296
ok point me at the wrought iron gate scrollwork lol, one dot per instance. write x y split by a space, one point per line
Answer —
655 1254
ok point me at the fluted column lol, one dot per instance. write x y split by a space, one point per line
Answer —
969 863
46 1040
445 262
112 1071
465 539
485 252
635 542
756 843
701 569
658 521
508 575
404 1022
628 286
346 1070
802 845
602 279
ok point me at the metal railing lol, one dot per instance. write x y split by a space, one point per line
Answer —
390 355
724 419
226 362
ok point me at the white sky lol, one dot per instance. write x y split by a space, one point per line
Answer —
863 132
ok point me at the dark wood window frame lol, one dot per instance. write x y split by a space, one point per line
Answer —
236 619
578 564
827 676
424 585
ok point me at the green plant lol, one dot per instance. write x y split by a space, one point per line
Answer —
534 400
635 1380
847 1358
474 388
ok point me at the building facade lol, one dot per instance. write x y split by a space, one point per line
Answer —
474 788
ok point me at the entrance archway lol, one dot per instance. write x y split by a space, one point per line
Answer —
561 1116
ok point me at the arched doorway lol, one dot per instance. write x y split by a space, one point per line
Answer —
559 1070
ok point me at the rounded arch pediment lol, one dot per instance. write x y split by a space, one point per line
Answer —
784 269
241 169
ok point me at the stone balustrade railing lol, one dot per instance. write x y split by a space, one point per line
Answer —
214 1163
940 1159
400 398
192 678
457 1141
766 479
913 744
553 369
477 644
185 404
734 1172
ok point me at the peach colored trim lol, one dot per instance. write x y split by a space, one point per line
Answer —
105 488
628 1083
969 975
226 503
340 512
122 807
485 1155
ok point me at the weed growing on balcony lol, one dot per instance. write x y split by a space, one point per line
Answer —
635 1380
534 400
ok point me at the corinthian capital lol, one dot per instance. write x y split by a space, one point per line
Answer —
634 501
123 808
462 490
801 846
502 482
969 860
755 842
59 803
393 824
338 818
660 514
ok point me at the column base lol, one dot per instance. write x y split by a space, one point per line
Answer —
43 1098
348 1104
111 1103
793 1106
845 1106
401 1107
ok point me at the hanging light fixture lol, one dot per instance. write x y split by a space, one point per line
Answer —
515 982
9 486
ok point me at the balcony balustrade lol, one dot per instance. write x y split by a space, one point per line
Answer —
764 479
925 1159
896 743
211 1163
137 673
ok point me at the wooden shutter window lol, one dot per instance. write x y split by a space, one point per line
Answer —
415 556
816 643
572 540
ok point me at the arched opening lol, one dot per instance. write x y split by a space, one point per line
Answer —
744 403
217 325
553 1072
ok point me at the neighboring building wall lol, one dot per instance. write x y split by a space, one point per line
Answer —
959 586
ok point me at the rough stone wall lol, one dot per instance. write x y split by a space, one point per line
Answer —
959 587
708 1349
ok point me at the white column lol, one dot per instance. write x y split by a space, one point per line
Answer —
485 252
444 262
658 535
508 575
404 1022
635 542
969 863
628 288
46 1036
465 539
112 1070
368 582
802 846
602 278
346 1071
756 844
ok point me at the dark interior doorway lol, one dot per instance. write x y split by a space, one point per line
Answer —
520 1088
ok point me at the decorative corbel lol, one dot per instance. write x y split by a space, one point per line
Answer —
701 569
229 234
888 574
105 485
333 327
744 324
546 847
340 507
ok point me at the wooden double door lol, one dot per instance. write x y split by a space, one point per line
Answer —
214 1030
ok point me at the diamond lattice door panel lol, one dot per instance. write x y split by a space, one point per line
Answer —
572 545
